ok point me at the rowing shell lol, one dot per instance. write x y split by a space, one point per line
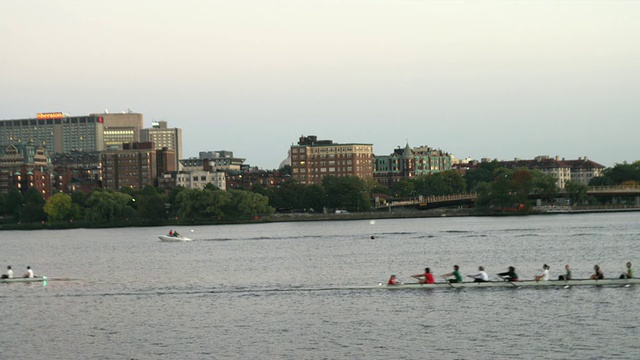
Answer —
34 279
512 284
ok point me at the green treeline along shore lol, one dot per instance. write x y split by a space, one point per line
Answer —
499 191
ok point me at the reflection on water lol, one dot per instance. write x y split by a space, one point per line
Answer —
288 290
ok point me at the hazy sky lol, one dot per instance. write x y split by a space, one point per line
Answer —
477 79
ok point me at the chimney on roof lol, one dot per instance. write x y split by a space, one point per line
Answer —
586 158
557 157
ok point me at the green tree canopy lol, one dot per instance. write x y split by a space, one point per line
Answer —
106 206
13 201
576 192
58 207
619 174
346 193
33 211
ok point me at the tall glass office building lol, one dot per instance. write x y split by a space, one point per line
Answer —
56 132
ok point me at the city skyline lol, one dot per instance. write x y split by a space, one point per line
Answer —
481 80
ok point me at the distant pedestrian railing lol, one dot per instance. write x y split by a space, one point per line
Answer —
424 200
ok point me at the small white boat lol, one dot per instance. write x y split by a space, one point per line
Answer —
173 238
33 279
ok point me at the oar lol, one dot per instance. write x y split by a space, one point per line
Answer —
510 282
450 284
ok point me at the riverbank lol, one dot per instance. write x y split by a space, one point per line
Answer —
371 215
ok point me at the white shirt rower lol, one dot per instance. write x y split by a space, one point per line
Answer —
9 272
29 273
544 276
481 276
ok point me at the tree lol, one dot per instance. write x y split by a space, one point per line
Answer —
619 174
201 204
442 183
33 209
346 192
576 192
544 186
484 172
522 185
152 207
106 206
497 193
58 207
247 204
14 202
313 197
288 196
403 188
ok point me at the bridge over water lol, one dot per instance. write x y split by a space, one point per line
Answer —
465 199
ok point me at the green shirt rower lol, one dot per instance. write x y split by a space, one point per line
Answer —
457 278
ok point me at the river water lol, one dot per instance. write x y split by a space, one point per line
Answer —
282 291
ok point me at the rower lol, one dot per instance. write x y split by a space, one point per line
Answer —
426 278
393 281
29 273
567 274
9 274
481 276
509 275
455 273
629 273
598 275
544 276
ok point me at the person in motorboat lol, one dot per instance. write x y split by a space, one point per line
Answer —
598 275
457 278
629 273
567 275
544 275
9 274
175 234
425 278
393 280
481 276
170 232
509 275
29 273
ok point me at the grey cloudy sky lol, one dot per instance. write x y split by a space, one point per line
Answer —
477 79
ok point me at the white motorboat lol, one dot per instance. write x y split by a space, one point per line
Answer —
173 238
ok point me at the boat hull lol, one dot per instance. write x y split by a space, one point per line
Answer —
34 279
24 280
516 284
167 238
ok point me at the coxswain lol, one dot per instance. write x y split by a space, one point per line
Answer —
457 278
425 278
509 275
393 280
